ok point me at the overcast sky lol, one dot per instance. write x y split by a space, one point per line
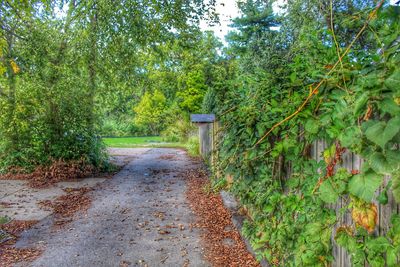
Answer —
227 10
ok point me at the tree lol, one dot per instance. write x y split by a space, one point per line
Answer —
64 63
150 112
182 69
193 84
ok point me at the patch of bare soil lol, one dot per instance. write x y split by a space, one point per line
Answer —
223 243
9 254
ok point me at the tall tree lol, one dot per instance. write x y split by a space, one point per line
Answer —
61 59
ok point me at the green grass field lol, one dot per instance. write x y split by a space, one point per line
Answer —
146 141
192 146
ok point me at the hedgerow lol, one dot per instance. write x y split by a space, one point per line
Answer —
331 72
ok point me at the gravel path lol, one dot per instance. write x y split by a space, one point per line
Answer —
140 217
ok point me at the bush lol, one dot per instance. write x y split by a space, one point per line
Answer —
193 146
179 131
119 128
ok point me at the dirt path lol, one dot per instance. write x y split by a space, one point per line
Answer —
140 217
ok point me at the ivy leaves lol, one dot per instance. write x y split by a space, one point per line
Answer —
350 137
383 159
377 251
393 81
385 163
381 132
358 107
364 185
389 106
334 186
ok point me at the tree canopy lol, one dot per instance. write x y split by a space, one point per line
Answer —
67 65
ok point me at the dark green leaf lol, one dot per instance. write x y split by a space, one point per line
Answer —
327 192
380 164
383 198
311 126
350 136
381 133
393 81
391 257
360 103
364 185
389 106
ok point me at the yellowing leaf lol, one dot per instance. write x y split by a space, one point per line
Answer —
14 67
365 215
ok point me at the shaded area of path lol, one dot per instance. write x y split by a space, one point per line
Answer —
140 217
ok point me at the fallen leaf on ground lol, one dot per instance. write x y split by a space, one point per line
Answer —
213 219
163 232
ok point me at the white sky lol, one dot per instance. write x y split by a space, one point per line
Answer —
227 10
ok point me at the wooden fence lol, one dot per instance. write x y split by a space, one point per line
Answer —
350 161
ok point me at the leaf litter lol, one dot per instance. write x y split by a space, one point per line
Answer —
9 254
216 222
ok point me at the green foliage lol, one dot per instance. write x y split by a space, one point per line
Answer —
396 187
179 131
193 146
194 89
364 185
133 141
218 184
67 65
182 68
381 132
150 112
334 186
114 127
378 251
271 113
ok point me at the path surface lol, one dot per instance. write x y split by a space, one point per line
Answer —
140 217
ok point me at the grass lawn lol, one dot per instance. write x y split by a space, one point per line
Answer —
145 141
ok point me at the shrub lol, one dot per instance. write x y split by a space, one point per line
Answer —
179 131
193 146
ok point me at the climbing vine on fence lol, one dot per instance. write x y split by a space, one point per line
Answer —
330 72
